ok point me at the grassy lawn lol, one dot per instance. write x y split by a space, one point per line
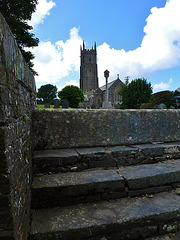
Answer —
51 106
42 106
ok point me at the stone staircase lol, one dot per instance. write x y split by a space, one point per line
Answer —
106 193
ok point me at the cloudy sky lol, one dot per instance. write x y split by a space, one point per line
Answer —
135 38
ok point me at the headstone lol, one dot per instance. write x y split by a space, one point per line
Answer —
47 105
107 105
56 103
160 106
65 103
83 105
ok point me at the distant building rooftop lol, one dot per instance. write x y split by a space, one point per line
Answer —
178 89
103 88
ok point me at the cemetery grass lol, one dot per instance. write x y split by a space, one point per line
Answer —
42 106
51 106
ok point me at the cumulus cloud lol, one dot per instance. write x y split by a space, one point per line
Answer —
163 86
42 10
72 82
56 61
160 47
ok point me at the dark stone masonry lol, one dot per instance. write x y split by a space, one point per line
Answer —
17 100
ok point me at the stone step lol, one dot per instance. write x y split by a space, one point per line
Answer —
96 185
170 236
63 160
126 218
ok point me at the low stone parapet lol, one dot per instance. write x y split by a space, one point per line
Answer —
88 128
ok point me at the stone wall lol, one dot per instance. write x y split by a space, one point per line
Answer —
17 99
88 128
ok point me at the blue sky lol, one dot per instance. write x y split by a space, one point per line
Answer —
134 38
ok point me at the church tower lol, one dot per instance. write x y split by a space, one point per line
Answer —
88 69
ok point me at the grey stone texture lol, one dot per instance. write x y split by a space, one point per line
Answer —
17 99
72 188
170 236
127 218
87 128
64 160
96 185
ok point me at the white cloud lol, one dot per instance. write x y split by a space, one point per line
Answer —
56 61
162 86
72 82
160 47
42 10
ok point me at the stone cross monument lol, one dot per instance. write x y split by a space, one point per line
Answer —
107 104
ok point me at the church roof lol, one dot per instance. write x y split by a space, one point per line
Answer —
177 93
103 88
178 89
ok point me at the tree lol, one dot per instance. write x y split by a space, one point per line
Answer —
166 97
47 92
135 93
73 94
17 13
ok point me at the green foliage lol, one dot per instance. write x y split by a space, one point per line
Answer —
135 93
17 13
73 94
166 97
26 118
47 92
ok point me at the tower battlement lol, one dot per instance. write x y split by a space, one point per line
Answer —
88 69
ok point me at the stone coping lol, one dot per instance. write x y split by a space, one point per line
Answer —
73 128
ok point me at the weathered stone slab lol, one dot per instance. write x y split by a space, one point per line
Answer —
151 175
55 153
55 160
90 152
107 219
71 188
63 160
122 150
96 157
149 191
171 236
92 128
151 150
123 155
158 151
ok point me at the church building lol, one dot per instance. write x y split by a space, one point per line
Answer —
95 95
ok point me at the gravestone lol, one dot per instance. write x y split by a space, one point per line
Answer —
65 103
56 103
83 105
160 106
47 105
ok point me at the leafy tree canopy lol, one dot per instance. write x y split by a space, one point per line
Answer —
135 93
166 97
73 94
17 13
47 92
